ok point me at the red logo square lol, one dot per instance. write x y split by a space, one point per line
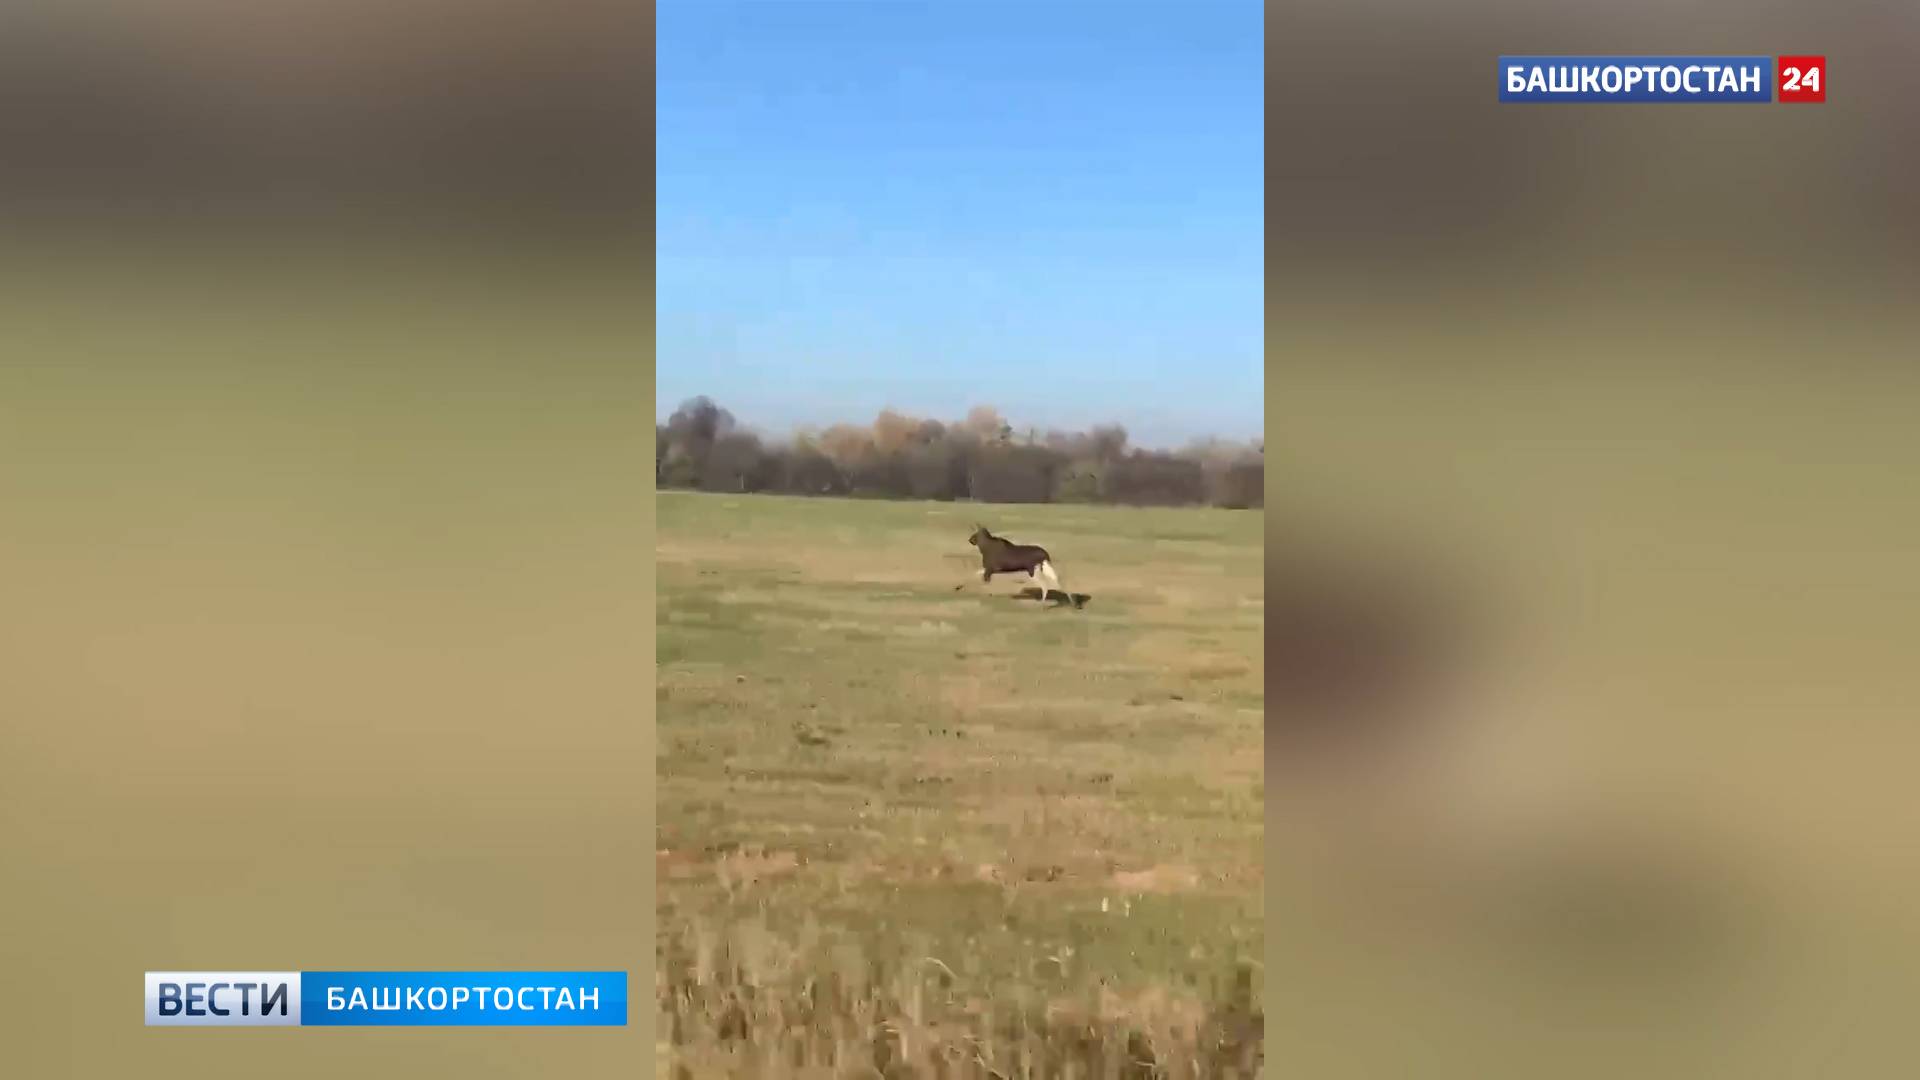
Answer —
1801 78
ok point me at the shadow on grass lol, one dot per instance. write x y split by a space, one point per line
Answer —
1078 600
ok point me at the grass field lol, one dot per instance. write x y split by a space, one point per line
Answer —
921 831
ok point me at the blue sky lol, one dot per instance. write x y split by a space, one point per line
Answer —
1053 207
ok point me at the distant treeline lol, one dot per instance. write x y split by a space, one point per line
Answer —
980 458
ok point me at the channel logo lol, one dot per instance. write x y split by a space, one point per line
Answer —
386 998
223 999
1654 79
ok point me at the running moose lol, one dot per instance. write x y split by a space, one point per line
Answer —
999 555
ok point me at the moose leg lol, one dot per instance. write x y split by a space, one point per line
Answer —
1051 581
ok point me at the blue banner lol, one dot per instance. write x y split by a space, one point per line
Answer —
1636 79
463 998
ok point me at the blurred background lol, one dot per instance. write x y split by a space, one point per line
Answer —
325 622
1591 559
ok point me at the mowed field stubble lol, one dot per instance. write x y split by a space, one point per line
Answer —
924 831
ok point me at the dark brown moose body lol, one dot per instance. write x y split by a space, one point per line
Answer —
999 555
